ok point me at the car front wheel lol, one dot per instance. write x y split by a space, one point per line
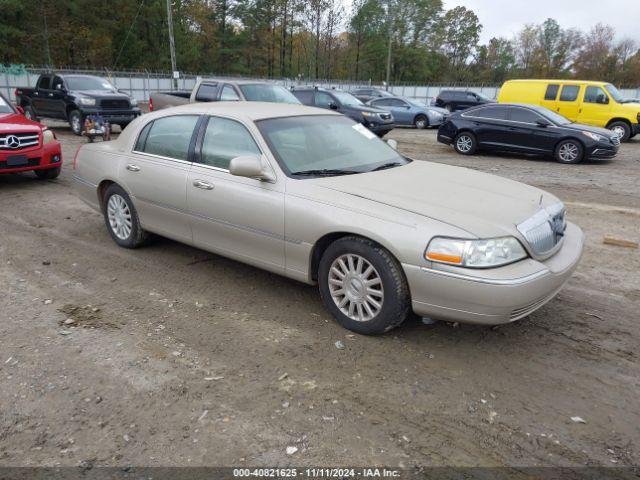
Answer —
569 151
465 143
363 286
75 121
121 218
621 129
421 122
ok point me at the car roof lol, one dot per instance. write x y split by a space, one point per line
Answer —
251 111
567 82
238 81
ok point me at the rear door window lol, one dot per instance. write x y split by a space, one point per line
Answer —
207 92
170 136
569 93
229 94
489 113
57 83
552 92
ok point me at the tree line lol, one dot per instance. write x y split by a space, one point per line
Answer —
408 40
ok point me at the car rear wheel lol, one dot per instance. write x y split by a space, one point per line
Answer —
569 151
465 143
421 122
75 121
121 218
49 174
621 129
363 286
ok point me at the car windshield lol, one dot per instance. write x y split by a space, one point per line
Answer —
415 102
4 106
553 116
384 93
483 97
319 145
88 83
347 99
268 93
614 92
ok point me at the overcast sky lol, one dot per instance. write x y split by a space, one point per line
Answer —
505 17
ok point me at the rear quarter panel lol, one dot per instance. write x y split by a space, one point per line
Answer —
94 165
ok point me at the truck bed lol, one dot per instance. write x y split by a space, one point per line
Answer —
173 98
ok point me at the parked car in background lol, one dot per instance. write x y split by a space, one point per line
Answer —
26 145
314 196
592 103
454 100
367 94
410 112
630 100
526 129
75 97
208 90
379 121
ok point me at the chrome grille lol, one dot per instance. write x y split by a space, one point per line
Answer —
18 141
545 230
615 140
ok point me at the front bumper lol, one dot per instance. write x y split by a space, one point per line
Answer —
379 127
42 158
113 116
493 296
602 151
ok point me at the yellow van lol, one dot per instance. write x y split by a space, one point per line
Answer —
592 103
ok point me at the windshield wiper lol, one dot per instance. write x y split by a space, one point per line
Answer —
324 171
387 165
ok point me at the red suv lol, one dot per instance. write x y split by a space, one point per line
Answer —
27 145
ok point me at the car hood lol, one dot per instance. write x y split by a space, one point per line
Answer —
101 94
590 128
16 123
369 108
483 205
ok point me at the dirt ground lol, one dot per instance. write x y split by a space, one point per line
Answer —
174 356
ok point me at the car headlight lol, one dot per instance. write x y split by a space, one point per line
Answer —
48 136
368 114
87 101
492 252
593 136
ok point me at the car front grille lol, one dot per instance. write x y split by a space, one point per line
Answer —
545 230
615 140
32 162
385 116
115 104
18 141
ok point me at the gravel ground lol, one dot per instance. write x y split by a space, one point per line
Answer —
174 356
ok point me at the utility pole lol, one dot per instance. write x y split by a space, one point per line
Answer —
390 22
172 45
46 36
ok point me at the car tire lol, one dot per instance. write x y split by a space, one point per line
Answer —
48 174
359 309
121 218
75 121
421 122
622 129
465 143
569 151
30 113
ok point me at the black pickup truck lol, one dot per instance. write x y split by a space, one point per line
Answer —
73 98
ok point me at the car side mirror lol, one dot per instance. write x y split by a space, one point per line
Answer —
20 110
250 166
333 106
392 143
542 123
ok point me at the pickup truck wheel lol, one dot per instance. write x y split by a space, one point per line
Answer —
121 218
363 286
30 113
621 129
75 121
49 174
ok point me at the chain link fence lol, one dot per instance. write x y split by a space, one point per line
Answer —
140 84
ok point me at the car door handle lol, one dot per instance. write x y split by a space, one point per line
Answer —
203 185
51 94
133 168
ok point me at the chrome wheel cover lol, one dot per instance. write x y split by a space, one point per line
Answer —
619 131
356 287
119 215
464 143
569 152
75 123
421 124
